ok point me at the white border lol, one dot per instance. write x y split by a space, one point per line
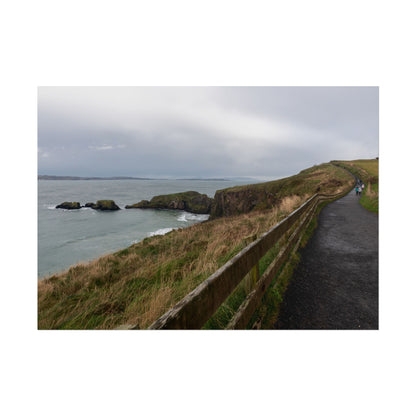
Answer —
207 43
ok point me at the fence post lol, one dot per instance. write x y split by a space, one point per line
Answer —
252 276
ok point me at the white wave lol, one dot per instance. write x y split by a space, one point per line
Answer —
161 231
187 216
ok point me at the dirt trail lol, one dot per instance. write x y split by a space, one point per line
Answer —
335 285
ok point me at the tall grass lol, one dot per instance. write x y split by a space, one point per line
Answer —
369 198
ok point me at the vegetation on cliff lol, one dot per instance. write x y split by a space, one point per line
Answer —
69 205
105 205
190 201
102 205
138 284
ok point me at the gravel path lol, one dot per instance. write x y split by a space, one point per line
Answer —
335 285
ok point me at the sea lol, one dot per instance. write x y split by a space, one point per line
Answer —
67 237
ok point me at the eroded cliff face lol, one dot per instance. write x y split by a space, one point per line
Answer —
230 202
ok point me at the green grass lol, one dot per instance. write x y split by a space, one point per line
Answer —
370 201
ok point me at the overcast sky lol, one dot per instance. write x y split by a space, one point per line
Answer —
261 132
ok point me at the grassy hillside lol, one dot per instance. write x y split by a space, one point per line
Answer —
367 171
138 284
324 178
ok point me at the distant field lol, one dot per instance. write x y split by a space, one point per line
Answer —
367 171
370 166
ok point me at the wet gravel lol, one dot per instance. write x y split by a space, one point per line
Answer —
335 285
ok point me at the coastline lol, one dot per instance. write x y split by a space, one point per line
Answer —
68 237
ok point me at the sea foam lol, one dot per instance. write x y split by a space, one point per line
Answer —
161 231
187 217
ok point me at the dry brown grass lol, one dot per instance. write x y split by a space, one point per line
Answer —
370 193
288 203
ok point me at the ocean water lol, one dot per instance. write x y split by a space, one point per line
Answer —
67 237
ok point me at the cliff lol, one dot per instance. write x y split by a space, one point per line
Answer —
325 178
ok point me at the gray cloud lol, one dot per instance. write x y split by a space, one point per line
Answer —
204 131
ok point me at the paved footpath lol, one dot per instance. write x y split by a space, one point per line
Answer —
335 285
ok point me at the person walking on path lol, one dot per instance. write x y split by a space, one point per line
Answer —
359 190
357 187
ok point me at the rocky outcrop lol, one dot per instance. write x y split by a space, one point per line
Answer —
103 205
69 205
190 201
